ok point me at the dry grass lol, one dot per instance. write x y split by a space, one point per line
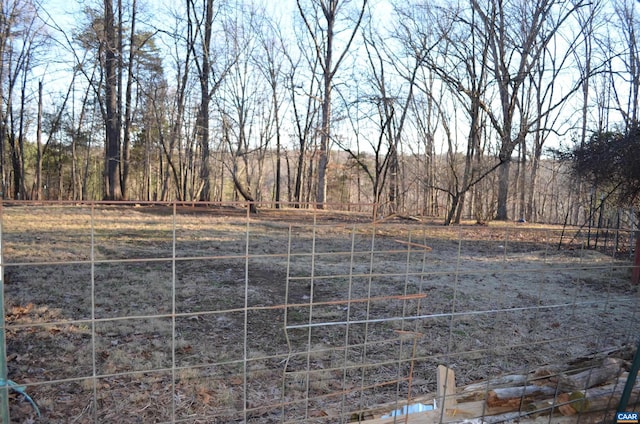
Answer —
91 295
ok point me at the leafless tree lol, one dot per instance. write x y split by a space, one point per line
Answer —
550 91
304 92
22 39
213 58
110 52
626 91
458 61
248 103
322 20
389 104
588 19
516 35
169 110
201 17
271 61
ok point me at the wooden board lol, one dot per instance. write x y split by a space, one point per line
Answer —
446 387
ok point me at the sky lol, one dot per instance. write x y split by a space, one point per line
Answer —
66 13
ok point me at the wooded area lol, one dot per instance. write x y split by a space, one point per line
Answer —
426 108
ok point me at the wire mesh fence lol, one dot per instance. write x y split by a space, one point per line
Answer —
173 313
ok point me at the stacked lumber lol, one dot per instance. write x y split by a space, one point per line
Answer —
586 387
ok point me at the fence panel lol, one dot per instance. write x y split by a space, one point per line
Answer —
173 313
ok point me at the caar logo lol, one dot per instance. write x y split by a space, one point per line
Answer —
627 417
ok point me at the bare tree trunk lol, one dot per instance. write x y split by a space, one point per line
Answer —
288 165
38 182
278 162
297 191
239 170
325 138
202 120
276 117
530 214
112 119
127 103
523 179
473 145
87 164
394 179
503 190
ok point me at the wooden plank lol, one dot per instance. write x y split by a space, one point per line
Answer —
446 388
419 246
468 410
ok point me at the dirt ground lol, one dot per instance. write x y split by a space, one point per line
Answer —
207 315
